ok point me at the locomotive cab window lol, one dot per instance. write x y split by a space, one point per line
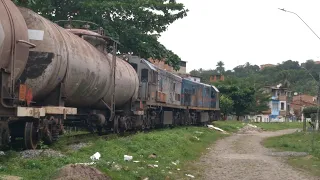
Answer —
213 94
135 66
144 75
154 77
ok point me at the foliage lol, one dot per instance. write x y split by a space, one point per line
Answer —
137 25
226 105
260 102
308 111
298 78
242 97
220 69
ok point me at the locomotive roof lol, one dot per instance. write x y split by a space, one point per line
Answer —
150 65
207 85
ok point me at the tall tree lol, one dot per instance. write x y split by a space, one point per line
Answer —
137 25
220 67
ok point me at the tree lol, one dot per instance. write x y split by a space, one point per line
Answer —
226 105
289 65
260 102
242 98
220 67
137 25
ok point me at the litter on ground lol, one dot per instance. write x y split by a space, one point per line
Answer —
216 128
96 156
127 158
189 175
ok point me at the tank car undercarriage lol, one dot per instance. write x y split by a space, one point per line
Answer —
29 131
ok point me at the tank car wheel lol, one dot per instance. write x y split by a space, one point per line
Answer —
47 132
31 136
4 134
116 125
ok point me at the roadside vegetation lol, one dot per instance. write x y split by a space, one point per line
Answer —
170 150
275 126
161 154
299 142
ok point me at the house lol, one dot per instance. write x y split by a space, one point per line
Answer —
279 105
266 65
300 101
215 78
191 78
162 65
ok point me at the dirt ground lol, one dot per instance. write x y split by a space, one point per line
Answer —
242 157
80 172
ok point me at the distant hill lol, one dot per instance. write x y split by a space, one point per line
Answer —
298 78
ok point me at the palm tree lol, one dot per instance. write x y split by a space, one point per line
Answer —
284 78
220 67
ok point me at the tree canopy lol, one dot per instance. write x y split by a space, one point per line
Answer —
137 25
297 78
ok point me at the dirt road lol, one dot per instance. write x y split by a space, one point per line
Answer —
242 157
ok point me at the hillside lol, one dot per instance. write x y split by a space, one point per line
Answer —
290 73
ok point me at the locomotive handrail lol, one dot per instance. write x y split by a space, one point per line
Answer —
100 36
77 21
28 43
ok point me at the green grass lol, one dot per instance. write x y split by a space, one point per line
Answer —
229 126
233 126
299 142
169 145
275 126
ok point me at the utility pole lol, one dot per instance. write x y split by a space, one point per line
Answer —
318 101
318 81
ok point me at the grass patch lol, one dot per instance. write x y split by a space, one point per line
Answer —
299 142
275 126
170 145
229 126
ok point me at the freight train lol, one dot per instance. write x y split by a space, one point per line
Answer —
51 76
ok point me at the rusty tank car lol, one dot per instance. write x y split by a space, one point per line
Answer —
53 76
85 71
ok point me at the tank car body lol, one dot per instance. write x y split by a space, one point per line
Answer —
63 57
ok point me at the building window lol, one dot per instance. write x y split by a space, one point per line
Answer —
282 105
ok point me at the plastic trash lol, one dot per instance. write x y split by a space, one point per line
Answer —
96 156
216 128
189 175
127 158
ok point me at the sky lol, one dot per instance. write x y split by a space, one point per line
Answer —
237 32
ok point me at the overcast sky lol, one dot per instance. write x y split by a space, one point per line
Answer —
237 32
